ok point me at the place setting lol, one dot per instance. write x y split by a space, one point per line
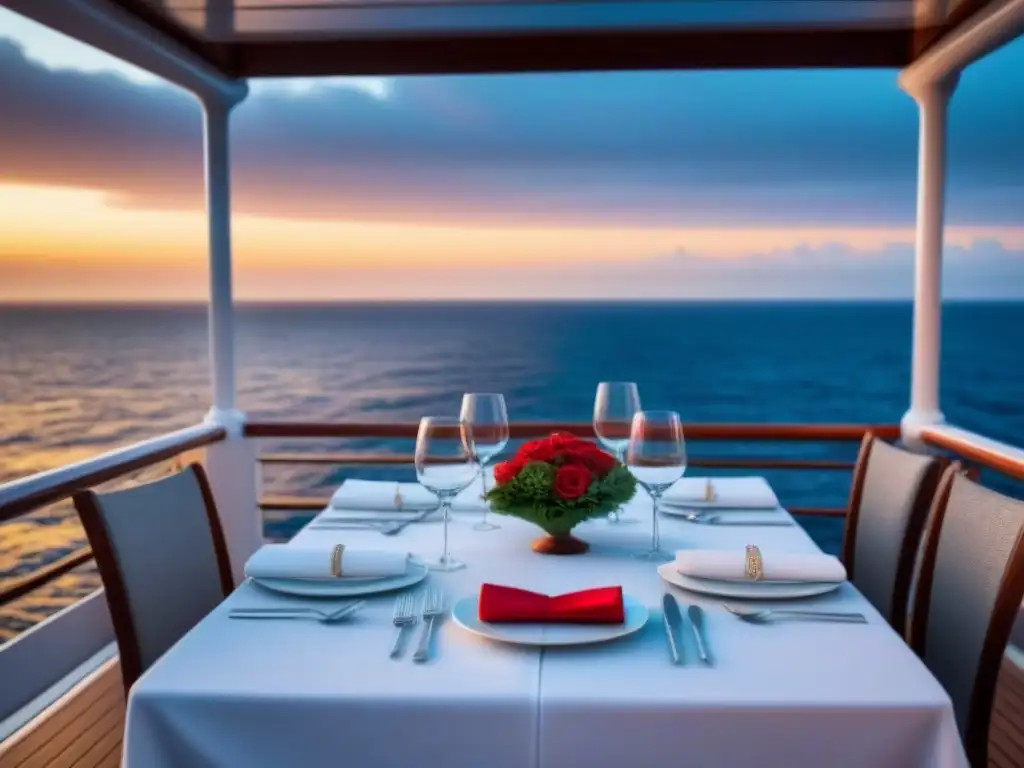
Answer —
332 571
739 501
748 574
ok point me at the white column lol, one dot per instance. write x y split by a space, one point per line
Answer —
231 464
933 100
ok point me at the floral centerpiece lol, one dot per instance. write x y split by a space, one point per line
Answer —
557 483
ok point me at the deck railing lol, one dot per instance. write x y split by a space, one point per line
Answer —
769 433
20 497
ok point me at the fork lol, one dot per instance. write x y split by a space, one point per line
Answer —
325 617
433 607
405 616
703 518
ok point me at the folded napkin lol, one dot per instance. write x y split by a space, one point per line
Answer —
727 492
289 561
732 565
380 496
591 606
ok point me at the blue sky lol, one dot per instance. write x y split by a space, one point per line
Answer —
735 152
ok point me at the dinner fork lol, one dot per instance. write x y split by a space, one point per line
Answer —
297 612
405 616
703 518
433 607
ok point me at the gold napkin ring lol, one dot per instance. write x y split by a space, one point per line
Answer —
755 568
398 496
339 550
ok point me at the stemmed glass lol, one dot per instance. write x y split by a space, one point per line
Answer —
614 407
445 466
487 418
656 456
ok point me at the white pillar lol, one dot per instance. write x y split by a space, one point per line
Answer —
231 464
933 100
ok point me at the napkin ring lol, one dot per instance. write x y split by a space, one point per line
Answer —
339 550
755 568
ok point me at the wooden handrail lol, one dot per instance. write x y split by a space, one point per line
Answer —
520 430
406 459
992 454
16 588
317 503
29 493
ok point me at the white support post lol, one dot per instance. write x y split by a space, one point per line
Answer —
231 464
932 99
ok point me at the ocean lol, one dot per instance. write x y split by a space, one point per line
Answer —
78 381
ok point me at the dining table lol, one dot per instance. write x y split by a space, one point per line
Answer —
782 694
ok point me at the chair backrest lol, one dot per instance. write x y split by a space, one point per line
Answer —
162 558
890 498
969 592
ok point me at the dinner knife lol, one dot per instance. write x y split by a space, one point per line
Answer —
672 619
697 622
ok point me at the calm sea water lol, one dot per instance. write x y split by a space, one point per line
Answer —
76 382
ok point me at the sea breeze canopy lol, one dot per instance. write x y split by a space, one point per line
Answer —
274 38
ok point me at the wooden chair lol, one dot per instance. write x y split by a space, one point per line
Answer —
969 592
162 558
890 498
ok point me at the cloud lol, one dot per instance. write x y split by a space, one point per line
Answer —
650 149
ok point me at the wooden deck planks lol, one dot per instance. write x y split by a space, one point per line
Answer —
84 729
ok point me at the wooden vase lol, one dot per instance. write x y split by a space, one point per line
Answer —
566 544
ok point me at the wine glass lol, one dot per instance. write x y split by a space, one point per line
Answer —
614 407
656 455
487 419
445 466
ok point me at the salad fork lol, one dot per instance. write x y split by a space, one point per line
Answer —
404 616
433 607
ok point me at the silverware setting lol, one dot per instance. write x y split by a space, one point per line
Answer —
703 518
386 528
404 617
765 615
297 612
433 608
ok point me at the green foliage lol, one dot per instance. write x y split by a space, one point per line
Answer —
531 497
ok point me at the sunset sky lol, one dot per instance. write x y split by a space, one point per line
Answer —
659 185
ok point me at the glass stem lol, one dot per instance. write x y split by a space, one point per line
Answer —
655 540
446 506
483 483
616 515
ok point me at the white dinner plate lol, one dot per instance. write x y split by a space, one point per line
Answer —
747 590
346 587
465 615
681 509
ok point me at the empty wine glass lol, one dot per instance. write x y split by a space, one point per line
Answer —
656 455
487 419
615 405
445 466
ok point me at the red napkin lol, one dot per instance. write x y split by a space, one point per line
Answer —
591 606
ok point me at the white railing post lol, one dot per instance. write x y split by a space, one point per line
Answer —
231 464
932 99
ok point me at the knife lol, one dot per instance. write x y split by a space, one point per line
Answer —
672 619
697 622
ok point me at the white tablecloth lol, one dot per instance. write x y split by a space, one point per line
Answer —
299 693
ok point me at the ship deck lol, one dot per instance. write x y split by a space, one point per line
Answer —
83 729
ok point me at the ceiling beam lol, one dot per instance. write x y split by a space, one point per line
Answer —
573 51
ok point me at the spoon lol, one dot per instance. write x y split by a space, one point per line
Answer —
705 519
763 616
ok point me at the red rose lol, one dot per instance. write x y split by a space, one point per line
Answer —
591 457
507 471
536 450
572 481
